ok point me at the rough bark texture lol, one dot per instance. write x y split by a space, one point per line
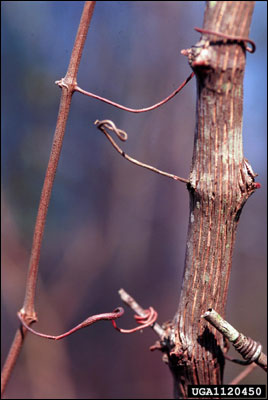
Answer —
220 184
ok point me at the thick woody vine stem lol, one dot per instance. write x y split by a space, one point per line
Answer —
221 181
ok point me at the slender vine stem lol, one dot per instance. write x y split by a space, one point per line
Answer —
67 84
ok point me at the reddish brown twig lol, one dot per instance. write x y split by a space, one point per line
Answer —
67 84
230 37
146 320
134 110
117 313
122 135
243 374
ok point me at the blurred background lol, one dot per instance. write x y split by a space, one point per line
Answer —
111 224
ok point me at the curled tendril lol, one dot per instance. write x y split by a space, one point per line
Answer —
107 123
134 110
117 313
230 37
146 320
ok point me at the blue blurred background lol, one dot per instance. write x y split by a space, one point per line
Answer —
111 224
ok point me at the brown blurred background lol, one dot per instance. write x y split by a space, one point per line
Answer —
111 224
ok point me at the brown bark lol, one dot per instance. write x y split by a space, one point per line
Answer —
220 184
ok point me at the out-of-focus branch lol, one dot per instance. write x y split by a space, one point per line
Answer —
243 374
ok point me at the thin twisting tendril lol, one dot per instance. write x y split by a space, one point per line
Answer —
123 136
147 320
136 110
230 37
117 313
